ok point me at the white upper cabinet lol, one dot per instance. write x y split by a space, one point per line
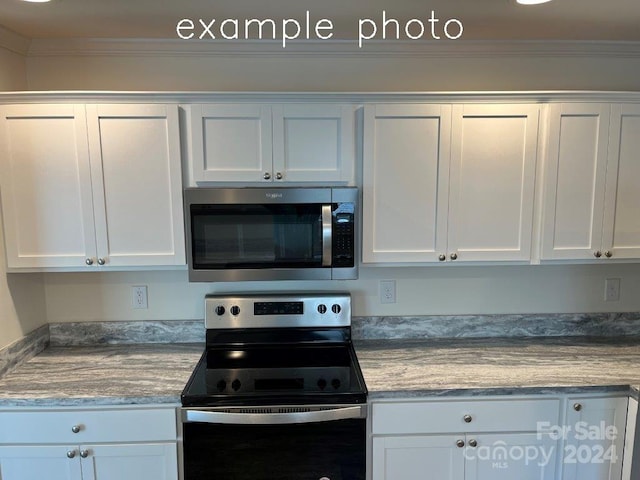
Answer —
88 187
272 143
621 226
137 187
231 143
45 179
443 184
574 181
491 196
591 192
405 182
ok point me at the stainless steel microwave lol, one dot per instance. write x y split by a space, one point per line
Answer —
236 234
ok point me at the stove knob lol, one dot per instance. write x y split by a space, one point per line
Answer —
336 308
236 385
322 383
335 383
235 310
220 310
221 385
322 308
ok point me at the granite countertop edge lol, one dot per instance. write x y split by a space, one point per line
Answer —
375 395
410 394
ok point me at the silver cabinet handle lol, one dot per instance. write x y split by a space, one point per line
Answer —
460 443
89 261
454 256
267 176
326 235
597 254
279 176
84 453
473 443
332 415
76 429
442 257
608 254
71 454
577 407
101 261
467 418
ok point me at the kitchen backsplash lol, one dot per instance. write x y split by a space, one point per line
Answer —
23 349
369 328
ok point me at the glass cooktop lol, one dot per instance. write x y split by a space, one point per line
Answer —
276 374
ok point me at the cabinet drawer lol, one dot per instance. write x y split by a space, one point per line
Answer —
109 425
449 417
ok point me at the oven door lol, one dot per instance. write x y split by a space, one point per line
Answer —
294 443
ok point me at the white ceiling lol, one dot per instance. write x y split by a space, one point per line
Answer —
617 20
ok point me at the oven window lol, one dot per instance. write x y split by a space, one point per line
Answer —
334 450
256 236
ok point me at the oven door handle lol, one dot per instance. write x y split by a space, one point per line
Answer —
332 415
327 235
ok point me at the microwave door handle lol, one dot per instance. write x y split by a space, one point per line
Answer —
326 235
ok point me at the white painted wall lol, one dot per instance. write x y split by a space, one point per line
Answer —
13 71
22 305
362 71
420 291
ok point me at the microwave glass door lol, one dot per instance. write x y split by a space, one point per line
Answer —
256 236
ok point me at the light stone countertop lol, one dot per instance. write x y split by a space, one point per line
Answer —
409 368
152 374
101 375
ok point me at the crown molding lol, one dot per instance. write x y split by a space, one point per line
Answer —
14 42
352 98
329 48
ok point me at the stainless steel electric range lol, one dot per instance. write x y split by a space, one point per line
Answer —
278 393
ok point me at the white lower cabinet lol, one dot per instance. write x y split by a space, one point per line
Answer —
463 439
595 438
524 456
500 439
417 458
69 444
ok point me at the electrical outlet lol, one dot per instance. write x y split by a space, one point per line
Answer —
612 290
387 291
139 296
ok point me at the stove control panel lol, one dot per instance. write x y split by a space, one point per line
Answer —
272 380
277 311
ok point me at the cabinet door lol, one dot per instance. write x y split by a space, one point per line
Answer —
46 186
313 143
418 458
137 186
231 143
595 438
522 456
130 462
621 236
39 462
575 181
405 182
493 160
